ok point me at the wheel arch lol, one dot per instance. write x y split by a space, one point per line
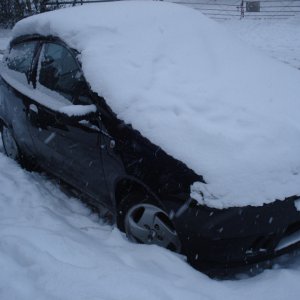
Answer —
130 186
127 185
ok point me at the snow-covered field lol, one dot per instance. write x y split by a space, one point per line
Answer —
278 38
53 247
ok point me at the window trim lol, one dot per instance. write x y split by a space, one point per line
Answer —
40 39
30 73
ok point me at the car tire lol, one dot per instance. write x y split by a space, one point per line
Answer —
10 146
145 222
12 150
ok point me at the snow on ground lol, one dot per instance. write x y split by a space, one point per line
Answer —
52 247
277 38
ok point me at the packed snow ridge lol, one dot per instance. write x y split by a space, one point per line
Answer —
228 112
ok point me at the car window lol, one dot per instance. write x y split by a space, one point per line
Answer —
20 57
59 72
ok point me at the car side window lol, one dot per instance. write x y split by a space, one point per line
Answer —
21 56
60 73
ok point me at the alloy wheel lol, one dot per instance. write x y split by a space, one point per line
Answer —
148 224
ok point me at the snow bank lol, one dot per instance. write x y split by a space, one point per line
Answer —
229 113
52 247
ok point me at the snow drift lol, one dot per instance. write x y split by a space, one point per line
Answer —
228 112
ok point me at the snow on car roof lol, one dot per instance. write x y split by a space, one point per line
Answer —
228 112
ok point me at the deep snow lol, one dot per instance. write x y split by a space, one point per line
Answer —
184 82
53 248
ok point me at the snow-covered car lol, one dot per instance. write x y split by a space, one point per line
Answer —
180 134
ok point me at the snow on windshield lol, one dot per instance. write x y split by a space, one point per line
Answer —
225 110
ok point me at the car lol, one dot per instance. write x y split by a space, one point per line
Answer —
179 134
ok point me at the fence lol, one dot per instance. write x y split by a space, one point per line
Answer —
263 9
58 3
223 9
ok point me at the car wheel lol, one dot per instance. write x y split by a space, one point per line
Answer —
147 223
9 144
13 151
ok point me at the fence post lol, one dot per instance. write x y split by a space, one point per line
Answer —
242 10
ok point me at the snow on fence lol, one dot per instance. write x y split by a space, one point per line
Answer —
263 9
222 9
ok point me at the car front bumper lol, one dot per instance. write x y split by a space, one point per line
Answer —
220 241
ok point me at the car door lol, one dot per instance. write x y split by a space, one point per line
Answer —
69 145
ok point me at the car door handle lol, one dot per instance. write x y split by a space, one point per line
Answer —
33 108
33 115
89 125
